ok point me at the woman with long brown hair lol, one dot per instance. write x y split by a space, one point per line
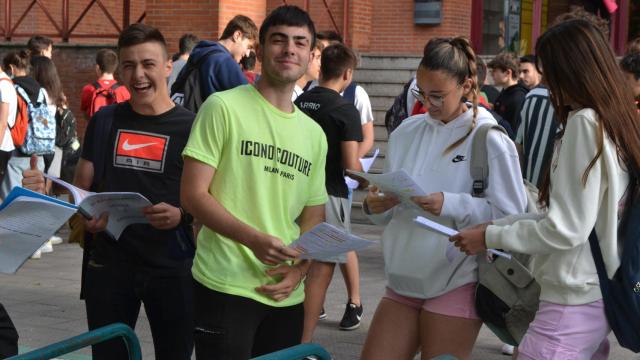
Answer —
586 182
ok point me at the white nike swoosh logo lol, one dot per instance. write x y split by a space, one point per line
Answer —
128 147
359 317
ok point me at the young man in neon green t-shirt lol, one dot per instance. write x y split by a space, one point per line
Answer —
254 176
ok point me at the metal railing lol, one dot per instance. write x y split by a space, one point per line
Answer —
87 339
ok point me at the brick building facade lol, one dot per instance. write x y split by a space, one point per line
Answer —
380 27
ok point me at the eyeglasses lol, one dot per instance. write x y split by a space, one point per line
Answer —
435 100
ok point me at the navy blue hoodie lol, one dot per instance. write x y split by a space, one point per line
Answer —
220 71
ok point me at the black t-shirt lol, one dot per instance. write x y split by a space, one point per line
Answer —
143 154
340 121
509 104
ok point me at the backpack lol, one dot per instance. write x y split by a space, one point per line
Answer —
102 97
35 128
350 92
186 90
398 111
621 294
507 295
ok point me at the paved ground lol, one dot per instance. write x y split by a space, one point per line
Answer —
42 299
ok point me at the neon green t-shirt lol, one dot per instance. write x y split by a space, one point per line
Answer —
269 166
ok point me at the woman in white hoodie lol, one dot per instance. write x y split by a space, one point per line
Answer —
429 302
584 188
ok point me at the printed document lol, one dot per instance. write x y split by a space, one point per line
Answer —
124 208
326 240
27 221
398 183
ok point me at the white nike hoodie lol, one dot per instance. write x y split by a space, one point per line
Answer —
416 264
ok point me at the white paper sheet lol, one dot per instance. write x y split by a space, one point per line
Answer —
366 166
326 240
124 208
26 223
398 183
448 232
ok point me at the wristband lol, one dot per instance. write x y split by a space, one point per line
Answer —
185 217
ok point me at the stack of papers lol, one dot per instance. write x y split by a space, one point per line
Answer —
124 208
326 240
27 221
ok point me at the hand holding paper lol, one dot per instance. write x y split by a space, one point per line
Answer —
325 240
398 183
453 234
366 166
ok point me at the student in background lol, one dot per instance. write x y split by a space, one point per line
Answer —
528 72
185 45
8 107
341 124
40 46
504 70
105 90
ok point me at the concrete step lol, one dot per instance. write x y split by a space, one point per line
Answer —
382 76
379 89
389 62
381 102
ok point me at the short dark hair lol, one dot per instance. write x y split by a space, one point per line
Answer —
186 43
38 44
336 59
139 33
19 59
107 61
505 61
331 36
528 59
631 64
633 46
243 24
248 62
288 15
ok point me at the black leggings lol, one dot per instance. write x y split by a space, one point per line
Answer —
235 327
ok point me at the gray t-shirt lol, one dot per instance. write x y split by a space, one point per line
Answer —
177 67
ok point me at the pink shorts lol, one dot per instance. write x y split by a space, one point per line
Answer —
459 302
567 332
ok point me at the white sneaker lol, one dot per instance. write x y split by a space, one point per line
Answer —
37 254
55 240
47 247
507 349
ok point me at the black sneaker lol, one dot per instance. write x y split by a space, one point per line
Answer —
351 318
323 315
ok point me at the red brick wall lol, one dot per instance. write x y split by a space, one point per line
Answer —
75 65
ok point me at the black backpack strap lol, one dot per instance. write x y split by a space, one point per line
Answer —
101 136
350 92
115 86
96 85
188 68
